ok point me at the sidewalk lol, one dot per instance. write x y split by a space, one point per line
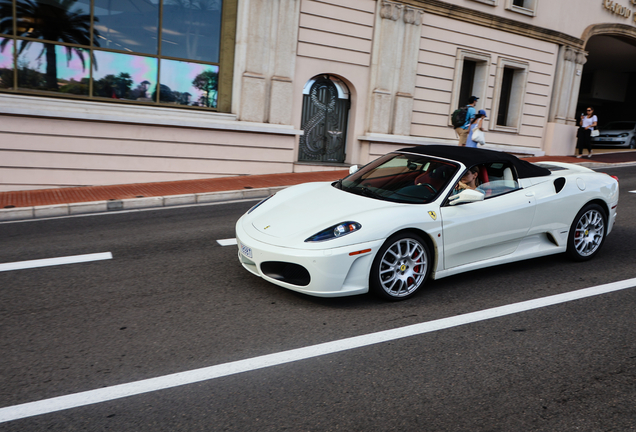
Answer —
43 203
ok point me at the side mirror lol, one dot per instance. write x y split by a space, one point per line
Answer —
466 196
353 168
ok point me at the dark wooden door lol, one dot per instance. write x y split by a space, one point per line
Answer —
324 122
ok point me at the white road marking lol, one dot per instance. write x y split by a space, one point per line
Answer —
632 191
197 375
227 242
19 265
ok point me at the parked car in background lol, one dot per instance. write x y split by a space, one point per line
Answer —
616 134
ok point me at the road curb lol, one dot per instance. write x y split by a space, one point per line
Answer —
60 210
595 165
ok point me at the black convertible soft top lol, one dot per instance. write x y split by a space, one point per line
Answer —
471 156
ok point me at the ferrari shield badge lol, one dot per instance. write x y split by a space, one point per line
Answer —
433 215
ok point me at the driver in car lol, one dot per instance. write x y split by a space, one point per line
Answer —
470 180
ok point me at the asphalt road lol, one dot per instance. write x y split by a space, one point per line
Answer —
172 299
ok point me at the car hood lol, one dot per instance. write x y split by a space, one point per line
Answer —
309 208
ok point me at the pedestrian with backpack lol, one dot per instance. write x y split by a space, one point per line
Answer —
462 127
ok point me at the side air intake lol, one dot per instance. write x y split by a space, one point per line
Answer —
558 184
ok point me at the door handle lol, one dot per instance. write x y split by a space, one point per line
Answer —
529 194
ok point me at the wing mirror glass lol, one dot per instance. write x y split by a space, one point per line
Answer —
466 196
353 169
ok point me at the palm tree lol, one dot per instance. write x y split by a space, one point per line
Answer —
50 20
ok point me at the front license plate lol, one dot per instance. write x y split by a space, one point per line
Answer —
246 251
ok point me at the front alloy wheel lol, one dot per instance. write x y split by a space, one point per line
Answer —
587 233
400 267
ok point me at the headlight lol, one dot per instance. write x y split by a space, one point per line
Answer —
342 229
254 208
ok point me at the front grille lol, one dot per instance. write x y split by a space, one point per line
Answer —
286 272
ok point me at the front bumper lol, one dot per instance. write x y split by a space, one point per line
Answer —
610 141
333 272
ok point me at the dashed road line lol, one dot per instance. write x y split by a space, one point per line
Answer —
60 403
227 242
73 259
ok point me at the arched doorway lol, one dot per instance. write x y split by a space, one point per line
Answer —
608 82
324 120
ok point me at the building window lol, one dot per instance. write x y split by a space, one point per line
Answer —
526 7
510 88
471 78
488 2
164 52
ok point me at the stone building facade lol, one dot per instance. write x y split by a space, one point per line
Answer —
280 86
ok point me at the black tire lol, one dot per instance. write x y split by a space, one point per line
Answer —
401 267
587 233
632 143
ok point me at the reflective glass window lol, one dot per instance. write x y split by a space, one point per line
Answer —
50 67
154 51
127 25
55 20
192 84
123 76
191 29
6 63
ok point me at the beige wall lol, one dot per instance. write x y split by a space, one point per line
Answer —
335 37
110 144
571 17
402 93
441 39
337 31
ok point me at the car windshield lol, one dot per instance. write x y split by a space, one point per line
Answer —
414 179
618 126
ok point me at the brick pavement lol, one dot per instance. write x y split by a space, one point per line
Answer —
69 195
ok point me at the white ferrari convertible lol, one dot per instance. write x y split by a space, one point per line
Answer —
406 217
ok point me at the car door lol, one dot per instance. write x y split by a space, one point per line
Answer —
491 228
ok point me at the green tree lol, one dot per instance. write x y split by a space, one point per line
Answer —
6 77
123 84
50 20
29 78
207 82
104 86
112 86
76 87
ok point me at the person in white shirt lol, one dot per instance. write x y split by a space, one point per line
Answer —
588 123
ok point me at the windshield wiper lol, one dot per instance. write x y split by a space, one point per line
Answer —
358 190
367 192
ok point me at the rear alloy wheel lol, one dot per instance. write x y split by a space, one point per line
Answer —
401 267
587 233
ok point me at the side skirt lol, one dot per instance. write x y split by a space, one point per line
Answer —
531 247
